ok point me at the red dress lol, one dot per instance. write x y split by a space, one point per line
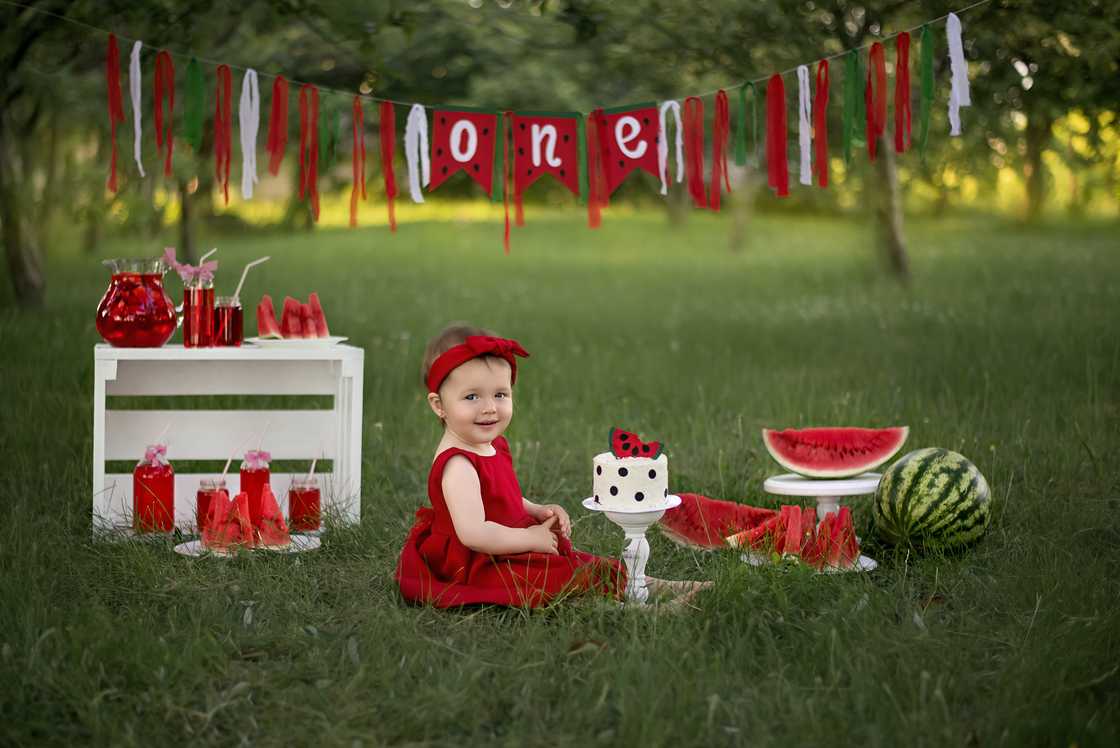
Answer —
436 568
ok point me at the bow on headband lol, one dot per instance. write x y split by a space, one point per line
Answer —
190 274
475 346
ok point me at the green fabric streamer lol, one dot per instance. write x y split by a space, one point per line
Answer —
855 124
194 102
925 102
583 185
741 134
497 177
330 121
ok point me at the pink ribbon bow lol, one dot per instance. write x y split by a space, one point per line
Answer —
257 459
154 455
190 274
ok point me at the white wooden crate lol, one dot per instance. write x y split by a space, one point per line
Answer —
215 434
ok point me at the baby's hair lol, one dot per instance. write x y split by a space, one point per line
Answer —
454 334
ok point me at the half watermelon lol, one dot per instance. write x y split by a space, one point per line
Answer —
836 452
703 523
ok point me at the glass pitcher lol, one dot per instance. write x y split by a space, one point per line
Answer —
135 311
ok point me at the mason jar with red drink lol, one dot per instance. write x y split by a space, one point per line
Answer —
304 505
209 491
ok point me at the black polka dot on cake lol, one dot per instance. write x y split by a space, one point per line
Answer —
623 472
596 498
652 474
598 470
614 490
639 496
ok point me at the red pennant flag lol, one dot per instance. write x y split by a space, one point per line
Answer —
628 138
544 144
116 110
875 98
358 159
694 149
388 119
902 93
165 87
464 139
820 125
721 126
278 125
223 126
309 146
776 164
598 196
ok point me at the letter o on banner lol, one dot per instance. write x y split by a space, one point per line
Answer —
625 130
461 128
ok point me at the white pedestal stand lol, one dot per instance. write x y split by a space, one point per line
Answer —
636 553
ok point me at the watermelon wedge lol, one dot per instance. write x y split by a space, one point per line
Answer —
838 452
794 533
229 528
627 444
266 319
703 523
307 322
272 532
321 329
291 320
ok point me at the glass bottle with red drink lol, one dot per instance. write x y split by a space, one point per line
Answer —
198 312
255 474
304 505
209 490
153 492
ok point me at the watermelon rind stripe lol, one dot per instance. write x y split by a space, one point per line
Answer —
922 465
973 507
947 485
948 502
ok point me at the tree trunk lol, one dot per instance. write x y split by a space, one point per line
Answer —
24 265
185 249
888 209
1037 138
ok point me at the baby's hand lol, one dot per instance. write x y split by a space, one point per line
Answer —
564 527
544 538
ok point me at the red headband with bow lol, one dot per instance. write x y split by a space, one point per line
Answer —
475 346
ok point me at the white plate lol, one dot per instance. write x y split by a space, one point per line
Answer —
864 564
299 544
791 484
669 502
297 342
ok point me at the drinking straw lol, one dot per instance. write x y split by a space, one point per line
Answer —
236 452
245 272
203 258
311 472
260 441
159 439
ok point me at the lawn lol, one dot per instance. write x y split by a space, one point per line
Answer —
1004 348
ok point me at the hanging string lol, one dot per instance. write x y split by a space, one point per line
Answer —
776 164
416 152
223 127
115 105
959 95
694 149
309 146
502 127
925 102
249 124
357 158
164 88
193 114
875 97
721 129
820 125
388 127
663 144
902 93
135 80
278 125
741 132
804 125
853 102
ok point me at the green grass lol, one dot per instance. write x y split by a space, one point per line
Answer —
1004 349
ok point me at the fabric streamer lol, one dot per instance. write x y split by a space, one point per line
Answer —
853 102
663 144
278 125
741 132
959 94
388 119
694 149
776 164
804 125
249 124
503 130
925 75
596 169
135 80
357 157
115 104
193 114
416 152
902 93
820 125
223 127
875 97
721 130
164 88
309 146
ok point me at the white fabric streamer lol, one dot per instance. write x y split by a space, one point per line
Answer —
416 149
249 121
663 144
134 82
804 124
959 94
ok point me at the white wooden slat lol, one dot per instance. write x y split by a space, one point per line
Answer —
217 434
224 378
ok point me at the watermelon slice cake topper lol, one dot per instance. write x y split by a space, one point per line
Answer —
627 444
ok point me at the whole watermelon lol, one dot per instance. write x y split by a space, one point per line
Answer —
932 498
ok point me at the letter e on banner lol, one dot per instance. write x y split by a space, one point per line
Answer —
626 130
629 142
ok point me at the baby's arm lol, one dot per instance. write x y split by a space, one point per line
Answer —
463 494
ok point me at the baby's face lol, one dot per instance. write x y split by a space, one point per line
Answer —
476 400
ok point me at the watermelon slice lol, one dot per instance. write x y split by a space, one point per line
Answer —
291 321
229 528
833 452
272 532
321 329
627 444
703 523
266 319
307 322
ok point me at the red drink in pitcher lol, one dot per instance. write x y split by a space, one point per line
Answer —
209 489
229 321
304 505
153 492
255 475
198 314
135 312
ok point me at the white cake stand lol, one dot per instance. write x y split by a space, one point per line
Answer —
827 492
634 524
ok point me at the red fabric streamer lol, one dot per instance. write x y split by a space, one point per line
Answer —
116 109
507 177
388 139
721 128
820 125
776 164
875 98
309 146
693 122
165 86
358 159
278 125
596 169
902 93
223 126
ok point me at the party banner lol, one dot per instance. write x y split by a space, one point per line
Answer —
546 143
628 141
465 139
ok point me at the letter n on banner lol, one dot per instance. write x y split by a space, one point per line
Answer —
629 141
465 139
545 143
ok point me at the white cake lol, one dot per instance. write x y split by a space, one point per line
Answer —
630 483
